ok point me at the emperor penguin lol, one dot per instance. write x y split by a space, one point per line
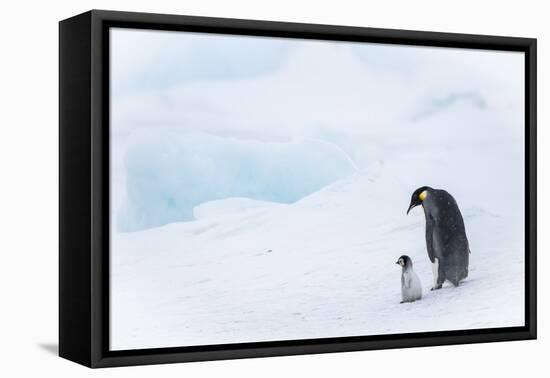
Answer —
446 240
411 288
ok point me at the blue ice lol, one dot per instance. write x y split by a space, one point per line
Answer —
169 173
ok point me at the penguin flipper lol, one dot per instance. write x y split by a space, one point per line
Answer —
429 238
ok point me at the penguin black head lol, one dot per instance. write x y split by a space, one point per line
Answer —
417 197
404 261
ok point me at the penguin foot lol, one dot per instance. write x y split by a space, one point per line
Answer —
455 283
437 287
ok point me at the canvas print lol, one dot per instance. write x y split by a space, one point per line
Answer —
267 189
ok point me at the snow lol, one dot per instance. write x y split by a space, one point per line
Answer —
229 206
266 201
321 267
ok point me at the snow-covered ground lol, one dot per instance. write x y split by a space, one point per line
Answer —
259 187
325 266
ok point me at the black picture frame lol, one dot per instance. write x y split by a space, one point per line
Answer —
84 188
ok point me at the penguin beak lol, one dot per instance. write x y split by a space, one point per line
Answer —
411 206
397 262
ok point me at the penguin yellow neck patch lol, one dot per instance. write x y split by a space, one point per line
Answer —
423 195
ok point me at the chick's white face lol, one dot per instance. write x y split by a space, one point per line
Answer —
401 262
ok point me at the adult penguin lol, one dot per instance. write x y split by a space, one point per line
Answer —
446 239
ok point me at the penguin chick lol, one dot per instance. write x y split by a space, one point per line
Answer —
411 288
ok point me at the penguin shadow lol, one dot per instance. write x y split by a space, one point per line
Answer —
263 253
447 292
465 283
450 286
430 295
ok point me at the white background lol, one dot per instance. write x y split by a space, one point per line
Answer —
29 190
